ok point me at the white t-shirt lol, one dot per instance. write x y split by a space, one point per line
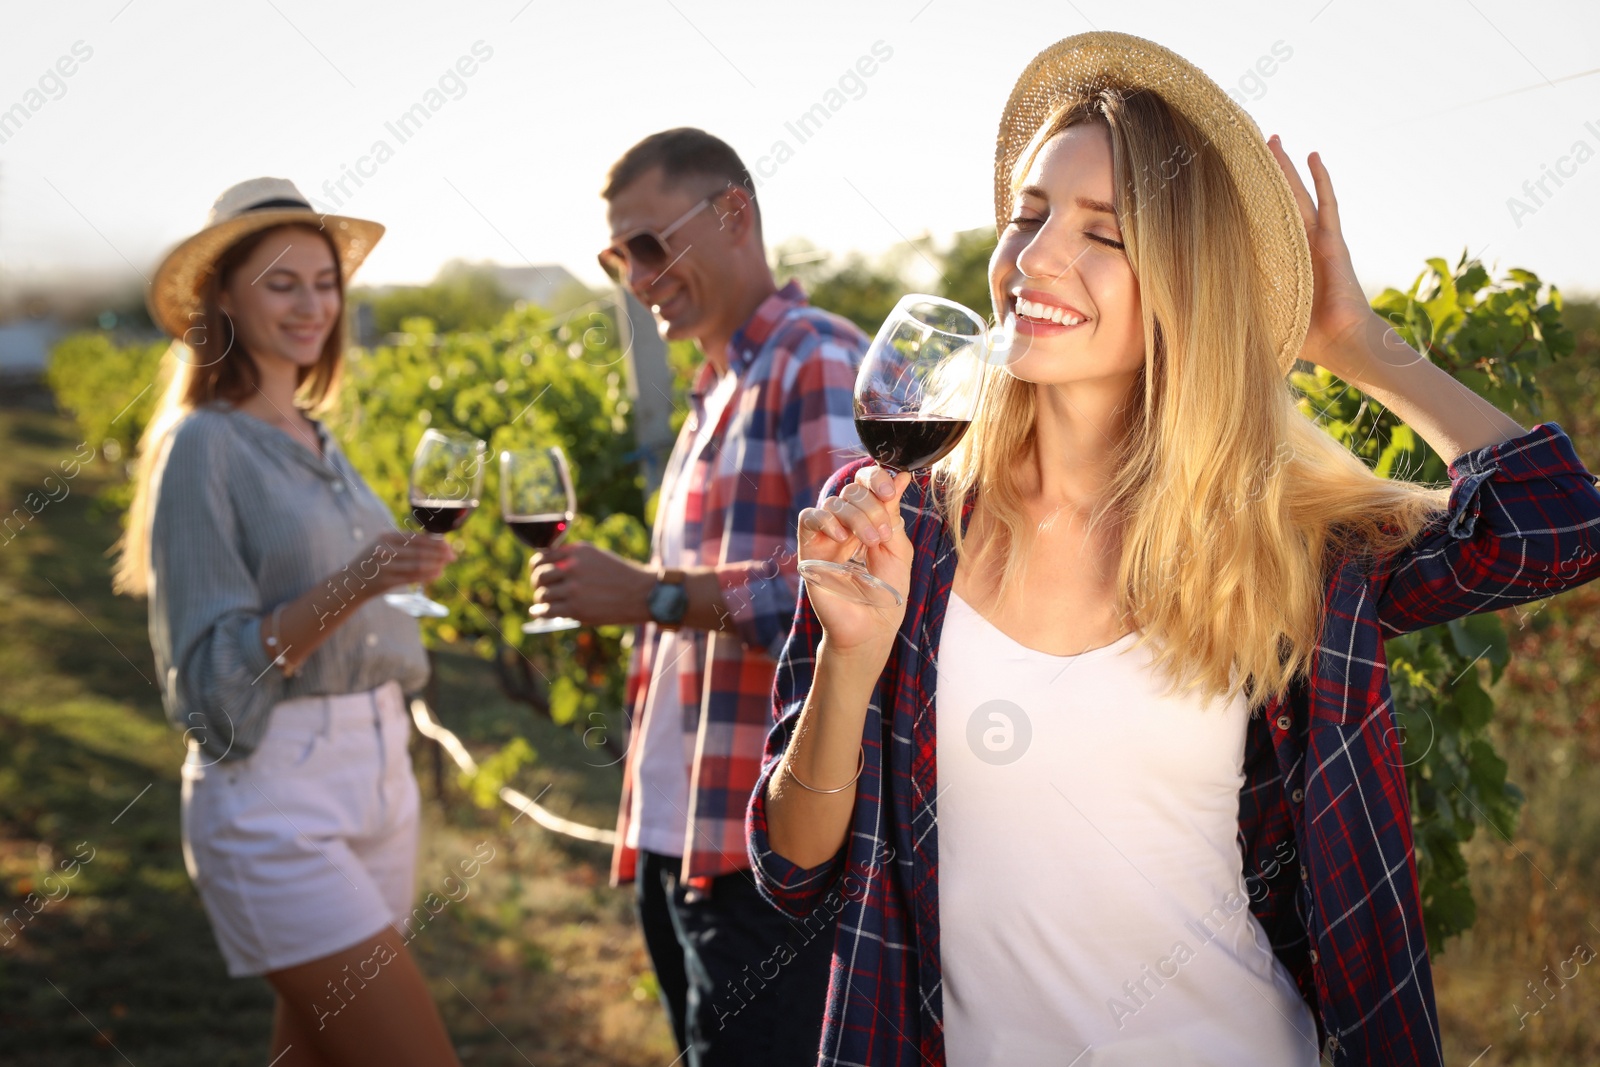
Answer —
659 821
1092 907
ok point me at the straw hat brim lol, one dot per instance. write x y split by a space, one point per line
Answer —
1091 61
174 293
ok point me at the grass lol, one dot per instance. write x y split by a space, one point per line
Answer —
541 961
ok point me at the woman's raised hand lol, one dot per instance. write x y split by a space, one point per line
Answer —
865 512
1346 336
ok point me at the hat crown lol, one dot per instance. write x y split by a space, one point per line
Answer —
255 193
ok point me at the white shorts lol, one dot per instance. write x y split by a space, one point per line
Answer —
308 845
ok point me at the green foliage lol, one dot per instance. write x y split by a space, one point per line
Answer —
1494 337
110 393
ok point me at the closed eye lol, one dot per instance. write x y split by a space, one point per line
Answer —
1108 242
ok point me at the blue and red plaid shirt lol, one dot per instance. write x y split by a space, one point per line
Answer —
1324 815
787 426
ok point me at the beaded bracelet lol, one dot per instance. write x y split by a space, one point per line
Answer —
860 765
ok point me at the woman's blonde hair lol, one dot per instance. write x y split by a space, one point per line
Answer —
1225 500
194 374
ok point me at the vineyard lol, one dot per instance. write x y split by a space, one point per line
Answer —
1485 704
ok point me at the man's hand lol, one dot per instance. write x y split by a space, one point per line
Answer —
596 587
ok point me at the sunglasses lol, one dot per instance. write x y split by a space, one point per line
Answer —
647 247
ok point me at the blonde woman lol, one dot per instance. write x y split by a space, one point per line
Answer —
1120 783
262 551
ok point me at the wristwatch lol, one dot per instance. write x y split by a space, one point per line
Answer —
668 600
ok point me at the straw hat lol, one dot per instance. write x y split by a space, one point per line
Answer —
1092 61
241 210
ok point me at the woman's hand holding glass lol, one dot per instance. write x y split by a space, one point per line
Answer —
397 558
864 514
915 395
446 479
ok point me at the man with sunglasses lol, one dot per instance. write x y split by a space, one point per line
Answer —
770 419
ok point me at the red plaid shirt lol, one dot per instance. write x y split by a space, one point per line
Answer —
788 425
1324 815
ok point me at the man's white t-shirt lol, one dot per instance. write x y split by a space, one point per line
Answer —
659 820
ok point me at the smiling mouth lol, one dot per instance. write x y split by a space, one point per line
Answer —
1039 312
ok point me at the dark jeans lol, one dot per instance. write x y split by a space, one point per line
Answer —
742 983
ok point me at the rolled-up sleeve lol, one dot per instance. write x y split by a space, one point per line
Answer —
1522 524
759 595
793 889
205 609
816 435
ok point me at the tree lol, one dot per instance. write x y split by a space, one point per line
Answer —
461 297
966 270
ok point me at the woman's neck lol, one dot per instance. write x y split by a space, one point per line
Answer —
1076 432
273 399
273 402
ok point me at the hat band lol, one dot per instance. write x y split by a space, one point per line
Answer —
280 202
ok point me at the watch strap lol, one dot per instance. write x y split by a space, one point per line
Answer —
669 576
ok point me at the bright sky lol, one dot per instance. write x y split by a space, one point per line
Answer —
1429 115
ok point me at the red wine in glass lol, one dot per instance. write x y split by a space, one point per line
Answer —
915 395
446 478
440 516
538 531
538 503
909 442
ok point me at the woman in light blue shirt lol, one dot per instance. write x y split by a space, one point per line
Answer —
263 554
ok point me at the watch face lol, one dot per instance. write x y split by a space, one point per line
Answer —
668 603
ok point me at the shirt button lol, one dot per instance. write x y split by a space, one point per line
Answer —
1298 795
1283 722
338 487
372 640
1333 1044
1304 874
1314 956
356 532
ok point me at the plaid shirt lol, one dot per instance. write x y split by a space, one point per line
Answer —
1324 815
789 424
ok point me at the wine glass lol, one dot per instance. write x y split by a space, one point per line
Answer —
446 479
916 393
537 502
